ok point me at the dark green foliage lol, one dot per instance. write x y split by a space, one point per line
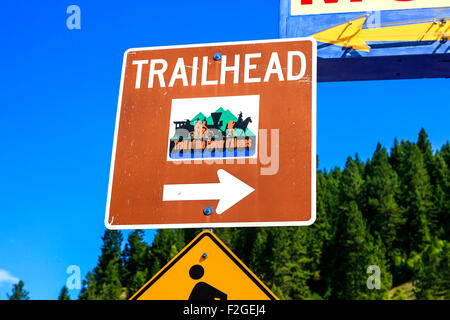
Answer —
433 271
105 282
390 213
445 151
111 251
166 245
18 292
290 262
135 262
357 251
351 186
108 271
319 234
441 198
89 290
425 147
64 295
385 216
353 248
417 199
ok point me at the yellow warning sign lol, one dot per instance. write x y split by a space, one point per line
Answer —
204 270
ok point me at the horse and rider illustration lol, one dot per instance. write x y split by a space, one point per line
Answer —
239 124
200 129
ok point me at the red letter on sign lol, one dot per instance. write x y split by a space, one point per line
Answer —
335 1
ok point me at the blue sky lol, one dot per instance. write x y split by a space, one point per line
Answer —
59 91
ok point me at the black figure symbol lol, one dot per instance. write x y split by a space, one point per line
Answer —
202 290
242 124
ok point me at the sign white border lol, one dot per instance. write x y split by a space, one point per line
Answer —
222 224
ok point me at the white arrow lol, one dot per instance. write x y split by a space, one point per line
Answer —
228 191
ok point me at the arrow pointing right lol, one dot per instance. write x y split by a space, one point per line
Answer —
228 191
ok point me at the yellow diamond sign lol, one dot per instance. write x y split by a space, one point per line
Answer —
205 270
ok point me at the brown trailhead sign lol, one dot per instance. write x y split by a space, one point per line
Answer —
215 135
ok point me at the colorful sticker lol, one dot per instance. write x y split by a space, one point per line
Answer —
214 128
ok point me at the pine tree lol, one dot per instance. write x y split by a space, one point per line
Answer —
444 218
190 234
166 245
417 200
437 171
110 287
261 254
225 235
109 267
278 256
291 262
445 151
351 185
242 243
346 276
18 292
352 247
377 257
382 189
89 288
321 232
355 250
64 294
136 281
398 157
440 223
433 271
425 147
135 258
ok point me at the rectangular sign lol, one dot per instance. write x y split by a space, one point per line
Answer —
215 135
306 7
373 39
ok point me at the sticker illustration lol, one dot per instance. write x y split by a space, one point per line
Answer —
216 127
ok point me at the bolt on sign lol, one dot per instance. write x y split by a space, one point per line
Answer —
205 269
373 39
215 135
